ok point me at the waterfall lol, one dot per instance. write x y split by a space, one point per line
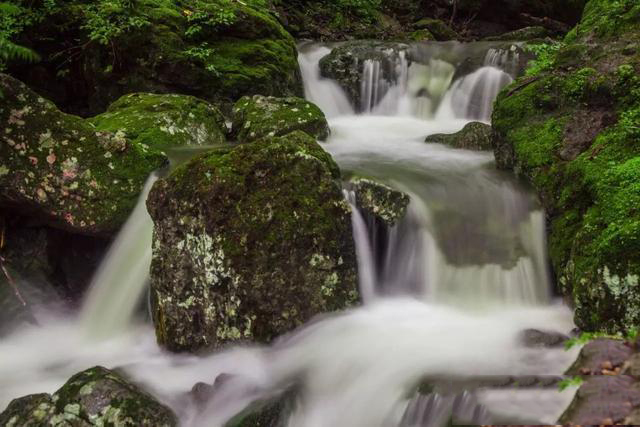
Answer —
397 86
325 93
121 280
447 291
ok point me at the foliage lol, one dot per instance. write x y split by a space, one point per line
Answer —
10 51
545 57
570 382
106 20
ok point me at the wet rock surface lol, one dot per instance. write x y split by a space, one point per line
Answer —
345 64
379 200
260 116
59 169
249 243
162 121
95 397
602 357
475 136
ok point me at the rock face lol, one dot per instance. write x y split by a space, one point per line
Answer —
162 121
260 116
604 399
474 136
571 130
439 30
380 201
95 397
601 355
249 243
58 168
213 49
345 63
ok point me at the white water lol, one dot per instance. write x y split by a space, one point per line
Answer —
122 278
427 313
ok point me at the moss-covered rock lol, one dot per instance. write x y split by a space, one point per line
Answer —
218 50
523 34
33 410
473 136
162 121
380 201
249 243
95 397
345 63
260 116
439 30
58 168
572 130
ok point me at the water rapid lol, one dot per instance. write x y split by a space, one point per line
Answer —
447 292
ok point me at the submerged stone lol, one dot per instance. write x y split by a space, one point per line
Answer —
95 397
380 201
60 169
162 121
249 243
267 116
474 136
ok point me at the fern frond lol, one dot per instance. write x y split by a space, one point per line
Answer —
10 51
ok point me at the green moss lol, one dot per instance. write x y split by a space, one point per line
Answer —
218 50
225 219
258 117
572 131
61 170
162 121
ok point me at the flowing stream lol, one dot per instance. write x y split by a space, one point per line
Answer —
447 292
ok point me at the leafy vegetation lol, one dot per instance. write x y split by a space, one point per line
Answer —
570 382
10 51
545 57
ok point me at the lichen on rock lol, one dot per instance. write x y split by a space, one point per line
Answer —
267 116
94 397
162 121
379 200
59 168
249 243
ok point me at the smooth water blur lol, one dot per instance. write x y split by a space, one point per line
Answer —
447 292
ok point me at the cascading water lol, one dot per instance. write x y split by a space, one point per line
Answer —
447 292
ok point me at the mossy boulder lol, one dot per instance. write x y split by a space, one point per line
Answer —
249 243
95 397
261 116
162 121
523 34
218 50
345 64
473 136
58 168
439 30
30 411
571 129
379 200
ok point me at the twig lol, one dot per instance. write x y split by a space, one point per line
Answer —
4 270
11 282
